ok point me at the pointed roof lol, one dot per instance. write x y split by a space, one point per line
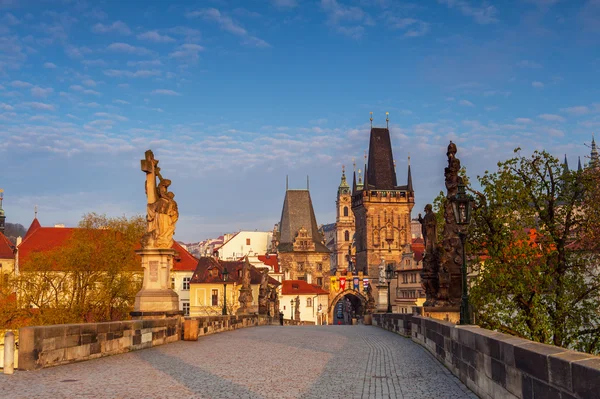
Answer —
594 153
410 184
297 213
7 249
354 183
205 265
380 171
566 165
579 168
35 224
301 287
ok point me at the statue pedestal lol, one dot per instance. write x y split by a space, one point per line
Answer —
156 299
382 297
444 313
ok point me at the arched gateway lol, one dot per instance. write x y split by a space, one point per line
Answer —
344 305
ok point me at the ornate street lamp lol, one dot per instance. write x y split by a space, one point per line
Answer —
389 275
461 204
225 275
319 315
291 309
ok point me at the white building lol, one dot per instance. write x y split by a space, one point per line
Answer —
313 301
244 243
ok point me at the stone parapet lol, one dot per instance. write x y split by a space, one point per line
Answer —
496 365
215 324
45 346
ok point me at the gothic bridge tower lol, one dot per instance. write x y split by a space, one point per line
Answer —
382 209
344 224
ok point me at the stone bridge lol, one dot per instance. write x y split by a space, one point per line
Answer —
259 362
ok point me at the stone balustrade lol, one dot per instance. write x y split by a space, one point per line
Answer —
496 365
45 346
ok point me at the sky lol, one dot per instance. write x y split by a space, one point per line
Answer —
232 96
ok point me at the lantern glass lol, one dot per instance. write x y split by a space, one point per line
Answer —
225 274
461 205
389 272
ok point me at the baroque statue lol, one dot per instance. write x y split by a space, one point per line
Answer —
429 228
161 210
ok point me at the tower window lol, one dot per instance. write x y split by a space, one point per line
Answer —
345 211
346 235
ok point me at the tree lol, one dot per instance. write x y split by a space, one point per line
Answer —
537 277
94 276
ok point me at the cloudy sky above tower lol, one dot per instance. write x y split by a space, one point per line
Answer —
232 96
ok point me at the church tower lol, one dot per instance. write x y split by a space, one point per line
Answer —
344 225
382 209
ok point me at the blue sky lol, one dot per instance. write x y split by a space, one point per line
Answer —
232 96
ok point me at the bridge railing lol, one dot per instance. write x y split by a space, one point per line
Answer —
494 365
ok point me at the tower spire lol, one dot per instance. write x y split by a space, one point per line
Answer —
2 216
286 182
371 119
410 184
594 153
387 120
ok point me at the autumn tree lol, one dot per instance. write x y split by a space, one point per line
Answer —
538 275
94 276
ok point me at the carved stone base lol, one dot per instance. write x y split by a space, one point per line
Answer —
156 294
445 313
382 297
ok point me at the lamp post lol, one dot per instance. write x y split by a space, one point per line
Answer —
319 316
291 309
461 204
389 275
225 275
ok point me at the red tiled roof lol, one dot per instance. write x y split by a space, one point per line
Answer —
35 224
203 273
270 260
299 287
7 249
184 260
42 239
223 243
418 240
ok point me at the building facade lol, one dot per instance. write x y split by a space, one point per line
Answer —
313 301
409 291
382 210
302 254
244 243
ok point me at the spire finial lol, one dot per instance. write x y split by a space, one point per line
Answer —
343 169
1 197
365 157
387 120
35 211
286 183
307 182
354 164
371 118
409 159
394 164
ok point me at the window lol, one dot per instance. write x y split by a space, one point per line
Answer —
300 266
319 267
345 211
186 308
186 283
309 302
404 279
215 297
320 281
247 241
172 283
286 275
346 235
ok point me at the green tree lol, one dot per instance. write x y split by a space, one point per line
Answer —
93 277
537 278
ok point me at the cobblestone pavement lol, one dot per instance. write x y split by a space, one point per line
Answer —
259 362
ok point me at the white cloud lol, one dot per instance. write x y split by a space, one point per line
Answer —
187 51
142 73
144 63
89 82
49 65
94 63
128 48
156 37
10 19
111 116
116 27
77 52
466 103
552 117
6 107
529 64
523 120
347 20
229 25
165 92
39 106
122 102
486 14
37 91
83 90
537 85
578 110
20 84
